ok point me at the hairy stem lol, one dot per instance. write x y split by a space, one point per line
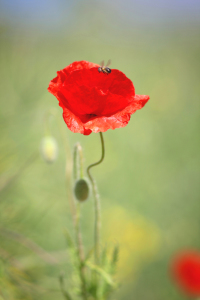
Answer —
80 253
78 162
97 203
78 173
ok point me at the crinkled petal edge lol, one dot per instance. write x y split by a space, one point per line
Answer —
102 124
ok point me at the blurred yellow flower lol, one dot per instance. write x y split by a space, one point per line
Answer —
139 239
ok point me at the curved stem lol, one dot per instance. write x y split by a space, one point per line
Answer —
101 159
97 203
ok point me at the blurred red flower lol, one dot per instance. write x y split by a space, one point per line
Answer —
186 272
93 101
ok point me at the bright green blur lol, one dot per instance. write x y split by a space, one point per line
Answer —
149 181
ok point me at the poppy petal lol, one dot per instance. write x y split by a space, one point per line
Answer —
93 101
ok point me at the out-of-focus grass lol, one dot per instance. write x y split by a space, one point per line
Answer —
150 174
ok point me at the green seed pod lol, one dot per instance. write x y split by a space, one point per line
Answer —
49 149
81 189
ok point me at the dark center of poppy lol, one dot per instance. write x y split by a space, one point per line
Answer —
91 115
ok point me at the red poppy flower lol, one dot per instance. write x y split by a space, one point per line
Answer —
93 101
186 272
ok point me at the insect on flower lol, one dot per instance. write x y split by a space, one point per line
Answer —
105 69
92 102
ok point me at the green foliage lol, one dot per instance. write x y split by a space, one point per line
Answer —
151 166
91 281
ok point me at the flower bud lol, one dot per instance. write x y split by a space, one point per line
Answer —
81 189
49 149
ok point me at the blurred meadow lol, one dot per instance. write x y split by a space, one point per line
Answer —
149 181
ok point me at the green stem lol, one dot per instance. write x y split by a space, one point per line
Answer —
64 292
78 173
68 169
97 203
80 254
78 161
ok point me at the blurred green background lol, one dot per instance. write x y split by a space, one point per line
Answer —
149 181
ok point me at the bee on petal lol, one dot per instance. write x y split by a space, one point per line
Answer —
105 69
